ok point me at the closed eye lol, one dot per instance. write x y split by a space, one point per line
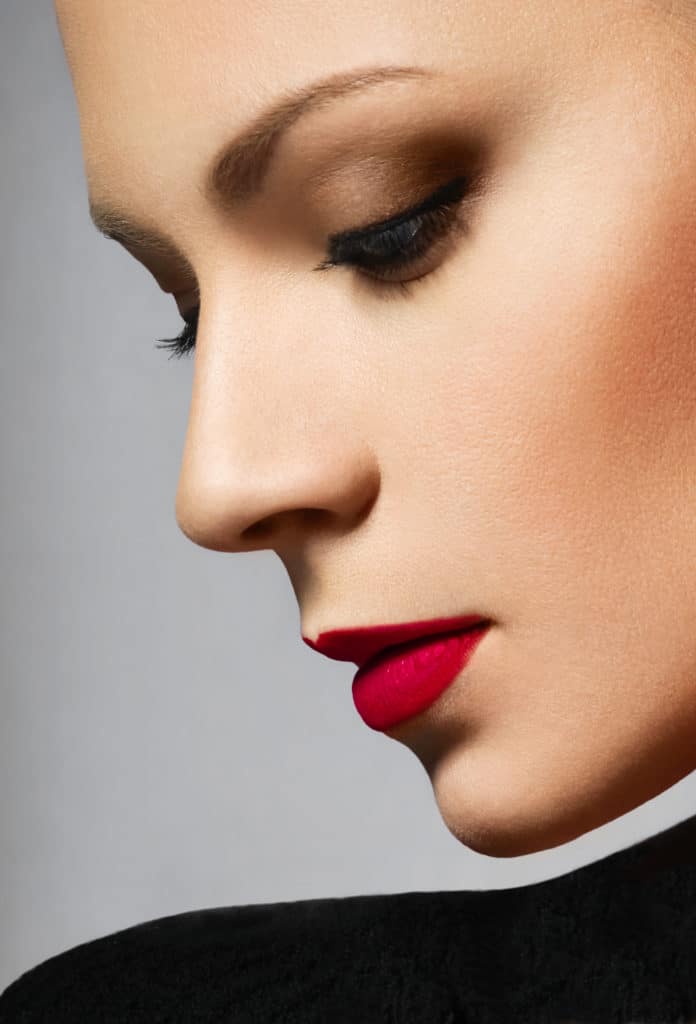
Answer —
384 249
378 251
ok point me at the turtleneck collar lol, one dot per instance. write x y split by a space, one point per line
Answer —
673 847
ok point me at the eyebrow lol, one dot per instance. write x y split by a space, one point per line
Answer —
239 169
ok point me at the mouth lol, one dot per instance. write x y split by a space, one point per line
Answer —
364 643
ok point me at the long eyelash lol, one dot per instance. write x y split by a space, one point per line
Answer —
184 342
388 245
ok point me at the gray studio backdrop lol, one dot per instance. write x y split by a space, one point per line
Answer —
157 752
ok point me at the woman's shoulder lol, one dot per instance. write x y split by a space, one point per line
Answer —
304 960
614 939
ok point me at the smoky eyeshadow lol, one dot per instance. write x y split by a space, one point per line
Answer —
374 183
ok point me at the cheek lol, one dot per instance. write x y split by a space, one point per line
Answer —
582 400
574 510
604 471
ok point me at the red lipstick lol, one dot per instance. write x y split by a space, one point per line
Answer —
402 669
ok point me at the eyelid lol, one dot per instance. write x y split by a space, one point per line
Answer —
439 213
191 310
451 190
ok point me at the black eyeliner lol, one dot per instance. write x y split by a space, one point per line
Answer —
340 242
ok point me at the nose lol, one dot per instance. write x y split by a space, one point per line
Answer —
272 451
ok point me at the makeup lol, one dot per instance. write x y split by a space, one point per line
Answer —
403 669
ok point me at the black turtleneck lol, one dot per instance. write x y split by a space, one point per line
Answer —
612 941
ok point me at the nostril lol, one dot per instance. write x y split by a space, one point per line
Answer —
258 530
284 520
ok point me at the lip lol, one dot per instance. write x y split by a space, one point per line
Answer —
365 642
402 669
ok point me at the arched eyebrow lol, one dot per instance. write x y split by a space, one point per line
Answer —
240 167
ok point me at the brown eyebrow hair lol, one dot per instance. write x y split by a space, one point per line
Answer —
240 167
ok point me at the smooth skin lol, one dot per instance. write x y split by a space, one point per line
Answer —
514 438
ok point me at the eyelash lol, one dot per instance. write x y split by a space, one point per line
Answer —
388 245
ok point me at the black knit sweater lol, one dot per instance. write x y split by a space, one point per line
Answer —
611 941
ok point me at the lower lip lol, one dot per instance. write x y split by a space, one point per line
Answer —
405 680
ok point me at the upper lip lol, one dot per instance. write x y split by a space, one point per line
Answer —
364 642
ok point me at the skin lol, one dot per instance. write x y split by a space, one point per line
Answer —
517 437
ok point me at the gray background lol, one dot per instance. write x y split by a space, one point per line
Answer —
157 754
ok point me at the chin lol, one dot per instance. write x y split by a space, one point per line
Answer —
508 838
505 788
507 813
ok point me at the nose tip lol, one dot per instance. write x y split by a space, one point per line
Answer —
227 508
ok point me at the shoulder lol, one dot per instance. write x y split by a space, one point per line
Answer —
258 962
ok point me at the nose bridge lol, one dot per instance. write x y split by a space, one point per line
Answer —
272 445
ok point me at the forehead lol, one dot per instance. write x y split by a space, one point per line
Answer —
162 84
152 77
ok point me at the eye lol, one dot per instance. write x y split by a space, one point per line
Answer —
379 251
383 251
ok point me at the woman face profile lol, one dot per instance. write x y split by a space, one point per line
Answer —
485 402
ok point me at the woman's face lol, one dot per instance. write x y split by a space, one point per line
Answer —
513 434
